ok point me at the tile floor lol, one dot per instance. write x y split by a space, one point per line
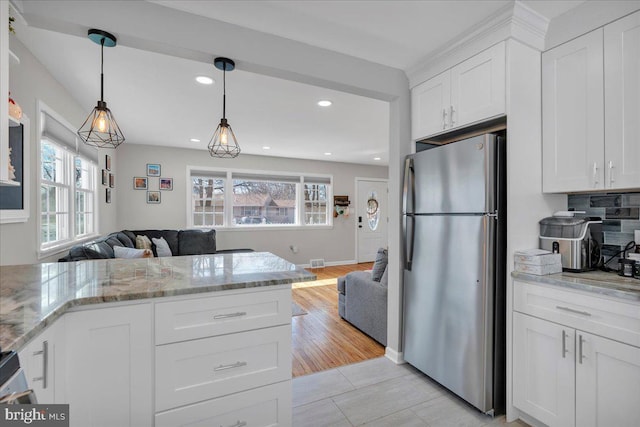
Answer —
378 392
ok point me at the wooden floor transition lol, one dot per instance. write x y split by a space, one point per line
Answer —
321 338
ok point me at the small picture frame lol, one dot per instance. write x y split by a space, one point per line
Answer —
166 184
153 197
153 169
108 195
112 180
107 162
105 177
140 183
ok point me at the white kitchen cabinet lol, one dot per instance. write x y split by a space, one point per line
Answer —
110 366
573 115
42 360
591 110
622 102
472 91
576 359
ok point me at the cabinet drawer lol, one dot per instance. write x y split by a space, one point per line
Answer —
264 406
193 371
205 317
618 320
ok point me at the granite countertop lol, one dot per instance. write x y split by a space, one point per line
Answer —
599 282
33 296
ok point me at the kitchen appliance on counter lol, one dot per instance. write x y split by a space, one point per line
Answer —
454 220
13 383
577 240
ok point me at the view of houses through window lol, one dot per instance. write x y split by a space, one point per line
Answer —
258 199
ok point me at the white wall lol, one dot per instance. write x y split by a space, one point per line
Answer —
29 82
334 245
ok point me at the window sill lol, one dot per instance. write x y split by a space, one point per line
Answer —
270 228
62 247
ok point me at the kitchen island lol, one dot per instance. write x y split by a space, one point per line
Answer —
576 349
155 341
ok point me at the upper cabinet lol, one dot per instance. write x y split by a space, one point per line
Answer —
591 110
472 91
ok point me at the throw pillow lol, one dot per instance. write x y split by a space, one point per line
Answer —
143 242
122 252
384 280
162 247
379 265
196 242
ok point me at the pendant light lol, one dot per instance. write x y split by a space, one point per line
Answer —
223 144
100 128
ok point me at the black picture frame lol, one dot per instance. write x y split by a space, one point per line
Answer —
105 177
112 180
166 184
107 195
107 162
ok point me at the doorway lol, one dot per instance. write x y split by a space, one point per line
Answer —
372 216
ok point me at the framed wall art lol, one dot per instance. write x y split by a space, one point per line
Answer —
108 195
140 183
153 169
153 197
107 162
166 184
105 177
112 180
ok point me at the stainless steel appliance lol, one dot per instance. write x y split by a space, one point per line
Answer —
577 240
454 218
13 383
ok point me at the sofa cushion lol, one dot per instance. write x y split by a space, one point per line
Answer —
124 252
143 242
384 280
171 236
124 239
101 247
379 265
196 242
81 252
162 247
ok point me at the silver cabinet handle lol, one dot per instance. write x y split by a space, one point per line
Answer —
239 424
611 177
45 363
564 344
444 118
580 354
231 366
226 316
571 310
595 174
451 120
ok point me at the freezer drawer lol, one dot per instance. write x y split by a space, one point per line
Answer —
448 304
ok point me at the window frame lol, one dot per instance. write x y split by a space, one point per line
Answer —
46 249
228 176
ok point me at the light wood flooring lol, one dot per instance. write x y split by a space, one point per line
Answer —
321 338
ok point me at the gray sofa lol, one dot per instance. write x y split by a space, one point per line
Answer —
362 301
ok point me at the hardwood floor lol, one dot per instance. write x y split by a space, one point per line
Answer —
322 339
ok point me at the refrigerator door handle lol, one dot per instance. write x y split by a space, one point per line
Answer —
408 231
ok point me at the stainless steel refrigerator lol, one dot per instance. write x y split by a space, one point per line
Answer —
454 220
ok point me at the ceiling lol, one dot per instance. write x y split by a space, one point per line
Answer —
156 100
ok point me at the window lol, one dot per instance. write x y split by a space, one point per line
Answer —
249 199
67 187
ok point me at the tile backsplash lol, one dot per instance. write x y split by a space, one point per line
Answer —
620 213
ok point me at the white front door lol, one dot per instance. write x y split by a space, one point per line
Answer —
371 212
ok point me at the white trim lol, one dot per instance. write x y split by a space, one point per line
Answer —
8 216
356 204
330 263
396 357
64 246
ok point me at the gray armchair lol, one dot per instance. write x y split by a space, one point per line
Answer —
362 302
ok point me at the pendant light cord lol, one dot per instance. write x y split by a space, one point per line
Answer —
224 91
102 70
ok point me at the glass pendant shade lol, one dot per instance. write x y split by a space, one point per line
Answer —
223 143
100 128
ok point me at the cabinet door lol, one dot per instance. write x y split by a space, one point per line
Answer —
543 370
622 102
430 103
42 360
109 366
478 87
607 382
573 115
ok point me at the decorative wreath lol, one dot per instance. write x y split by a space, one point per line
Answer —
372 206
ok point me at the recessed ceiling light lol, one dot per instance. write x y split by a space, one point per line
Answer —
377 158
266 148
194 140
327 154
204 80
324 103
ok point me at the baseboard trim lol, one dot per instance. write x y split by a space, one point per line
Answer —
330 263
395 356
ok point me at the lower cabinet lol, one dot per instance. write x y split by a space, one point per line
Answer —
565 376
109 369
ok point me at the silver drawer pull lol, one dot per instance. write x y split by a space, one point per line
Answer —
239 424
226 316
233 365
45 364
584 313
